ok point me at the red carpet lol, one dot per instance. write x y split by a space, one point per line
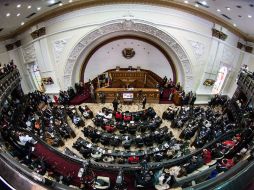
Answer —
81 98
68 167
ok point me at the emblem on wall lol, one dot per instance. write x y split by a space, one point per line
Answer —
209 82
128 53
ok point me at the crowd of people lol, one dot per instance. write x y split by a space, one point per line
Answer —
34 117
6 69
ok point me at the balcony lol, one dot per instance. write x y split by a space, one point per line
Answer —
8 84
246 84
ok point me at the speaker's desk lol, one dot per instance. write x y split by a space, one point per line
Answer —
152 94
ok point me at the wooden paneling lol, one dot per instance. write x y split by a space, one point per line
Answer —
152 94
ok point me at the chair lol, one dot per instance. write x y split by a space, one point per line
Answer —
101 182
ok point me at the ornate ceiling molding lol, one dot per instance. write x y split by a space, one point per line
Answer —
91 3
125 26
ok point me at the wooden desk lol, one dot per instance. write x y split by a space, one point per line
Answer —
136 79
152 94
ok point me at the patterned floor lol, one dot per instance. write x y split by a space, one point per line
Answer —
159 109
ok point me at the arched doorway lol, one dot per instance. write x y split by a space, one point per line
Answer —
82 49
147 55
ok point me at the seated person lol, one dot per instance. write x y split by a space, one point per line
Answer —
115 141
109 128
158 156
126 141
77 120
101 182
132 128
164 181
225 164
118 116
86 112
127 117
139 141
207 156
195 163
108 159
25 138
122 127
96 155
133 159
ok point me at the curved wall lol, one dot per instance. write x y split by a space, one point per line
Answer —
109 55
193 34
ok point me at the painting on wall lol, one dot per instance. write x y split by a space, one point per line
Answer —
220 80
209 82
47 80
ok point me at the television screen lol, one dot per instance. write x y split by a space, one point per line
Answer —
127 95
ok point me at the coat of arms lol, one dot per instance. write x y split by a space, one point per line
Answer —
128 53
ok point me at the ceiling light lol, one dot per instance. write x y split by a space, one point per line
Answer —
249 16
218 10
38 8
228 8
60 4
22 23
29 6
234 25
204 3
19 5
18 14
186 2
196 5
70 1
8 14
52 1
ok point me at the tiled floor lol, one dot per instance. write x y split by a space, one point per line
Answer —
159 109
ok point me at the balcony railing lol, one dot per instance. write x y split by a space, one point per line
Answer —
7 85
246 83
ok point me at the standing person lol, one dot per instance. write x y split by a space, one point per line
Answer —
115 104
92 91
193 99
144 101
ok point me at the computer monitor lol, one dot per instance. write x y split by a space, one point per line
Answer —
128 95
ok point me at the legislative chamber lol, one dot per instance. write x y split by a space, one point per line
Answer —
127 95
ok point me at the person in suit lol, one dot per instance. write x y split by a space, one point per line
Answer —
115 104
144 102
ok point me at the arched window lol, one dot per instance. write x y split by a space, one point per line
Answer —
220 80
36 76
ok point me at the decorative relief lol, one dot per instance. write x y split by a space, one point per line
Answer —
186 65
67 80
121 26
228 55
198 48
188 83
29 54
58 47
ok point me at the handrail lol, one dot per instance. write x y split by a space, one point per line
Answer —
29 174
243 169
131 167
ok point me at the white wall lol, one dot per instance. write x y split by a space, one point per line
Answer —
205 53
110 55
